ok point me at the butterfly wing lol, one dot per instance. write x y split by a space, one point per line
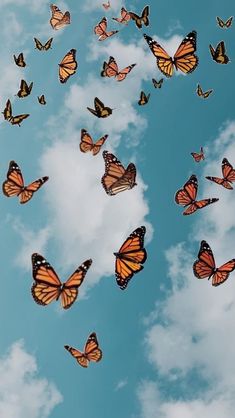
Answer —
222 273
110 69
116 179
141 19
7 113
86 143
99 106
48 44
219 54
123 73
58 19
198 156
38 44
42 100
204 267
145 15
200 92
68 66
98 144
143 99
16 120
69 291
185 58
125 16
228 170
78 355
187 195
14 184
164 61
20 60
28 191
157 84
92 350
199 204
25 90
228 23
93 112
100 29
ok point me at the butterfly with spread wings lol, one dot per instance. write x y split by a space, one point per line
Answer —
48 287
91 351
14 185
198 156
68 66
205 266
203 94
20 60
187 197
125 16
228 175
41 47
143 100
87 143
59 19
42 100
101 32
140 20
14 120
184 59
116 178
25 89
130 257
157 84
101 111
219 53
110 69
224 24
107 5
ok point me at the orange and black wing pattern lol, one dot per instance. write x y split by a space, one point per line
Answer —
198 156
140 20
20 60
67 66
58 19
91 352
110 69
101 30
228 175
219 53
203 94
125 16
224 24
130 257
87 143
116 178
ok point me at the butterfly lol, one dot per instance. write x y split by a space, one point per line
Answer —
143 19
48 287
224 25
198 156
187 197
87 143
125 16
25 90
14 185
42 47
101 111
143 99
58 19
205 266
14 120
91 352
110 69
203 94
42 100
106 6
157 84
219 54
184 59
68 66
228 175
130 257
100 30
116 178
20 60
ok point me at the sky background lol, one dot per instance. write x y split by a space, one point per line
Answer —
168 340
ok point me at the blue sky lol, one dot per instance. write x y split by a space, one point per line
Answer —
167 340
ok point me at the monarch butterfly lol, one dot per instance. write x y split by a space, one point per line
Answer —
228 175
187 197
205 266
198 156
14 120
87 144
125 16
184 59
68 66
41 47
42 100
157 84
203 94
106 6
110 69
143 99
100 30
14 185
25 90
91 352
130 257
224 25
143 19
20 60
58 19
219 53
48 287
101 111
116 178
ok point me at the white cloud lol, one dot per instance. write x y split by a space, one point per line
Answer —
23 393
121 384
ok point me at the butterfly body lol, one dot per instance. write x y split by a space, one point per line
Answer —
117 179
228 175
58 19
110 69
140 20
91 351
41 47
20 60
101 32
25 89
219 53
100 111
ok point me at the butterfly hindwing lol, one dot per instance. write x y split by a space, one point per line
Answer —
58 19
91 352
67 66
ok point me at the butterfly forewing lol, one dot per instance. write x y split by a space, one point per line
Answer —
92 352
68 66
116 179
58 19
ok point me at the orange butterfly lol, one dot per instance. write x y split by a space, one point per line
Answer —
58 19
184 59
130 257
48 287
187 197
14 185
110 69
198 156
87 143
91 352
205 266
68 66
100 30
116 178
228 175
125 16
106 6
